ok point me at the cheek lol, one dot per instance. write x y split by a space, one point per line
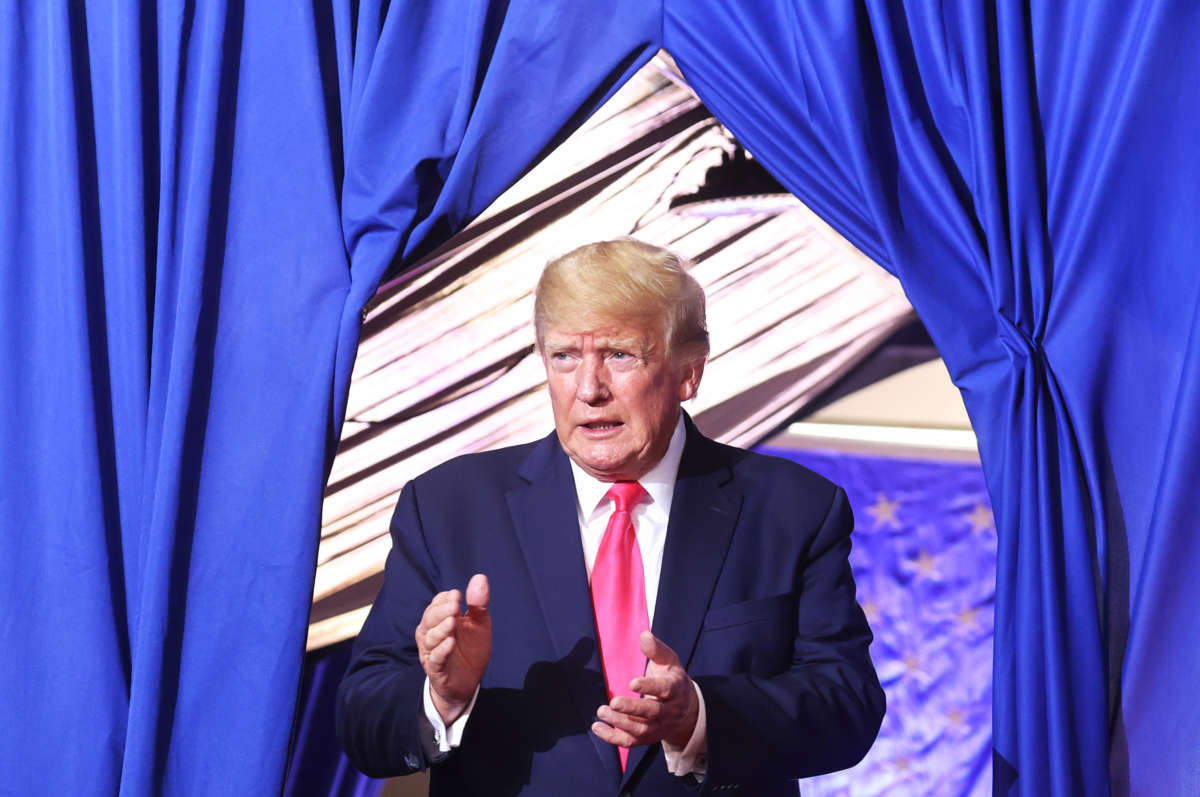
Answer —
560 398
654 408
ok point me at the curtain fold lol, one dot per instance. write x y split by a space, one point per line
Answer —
1027 171
198 200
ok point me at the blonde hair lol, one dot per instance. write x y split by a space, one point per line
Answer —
628 281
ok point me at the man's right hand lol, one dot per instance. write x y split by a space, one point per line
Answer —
455 648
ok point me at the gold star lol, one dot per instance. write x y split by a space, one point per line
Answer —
967 618
926 565
980 519
884 512
957 719
911 665
902 764
871 610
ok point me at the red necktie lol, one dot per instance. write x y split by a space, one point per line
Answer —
619 597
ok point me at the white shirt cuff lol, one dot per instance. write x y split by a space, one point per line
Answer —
436 738
692 758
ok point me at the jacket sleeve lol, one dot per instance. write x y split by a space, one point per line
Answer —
823 713
380 698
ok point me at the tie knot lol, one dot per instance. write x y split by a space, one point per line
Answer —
626 495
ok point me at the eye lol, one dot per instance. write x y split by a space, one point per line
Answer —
623 360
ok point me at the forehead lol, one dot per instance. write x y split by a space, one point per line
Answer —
603 331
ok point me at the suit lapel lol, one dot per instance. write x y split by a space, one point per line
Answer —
547 524
704 511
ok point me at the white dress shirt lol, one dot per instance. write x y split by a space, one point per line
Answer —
594 508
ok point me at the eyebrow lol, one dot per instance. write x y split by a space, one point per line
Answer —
621 344
602 343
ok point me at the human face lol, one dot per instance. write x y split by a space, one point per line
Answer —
615 395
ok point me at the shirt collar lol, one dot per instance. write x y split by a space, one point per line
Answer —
659 481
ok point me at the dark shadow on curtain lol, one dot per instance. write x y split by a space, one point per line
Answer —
331 93
97 326
317 766
1004 774
192 453
1115 599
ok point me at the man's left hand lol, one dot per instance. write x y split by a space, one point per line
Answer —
667 710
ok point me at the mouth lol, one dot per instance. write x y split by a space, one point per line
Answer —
601 426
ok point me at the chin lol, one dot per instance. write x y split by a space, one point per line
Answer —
603 469
603 472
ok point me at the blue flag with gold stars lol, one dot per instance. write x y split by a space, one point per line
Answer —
924 560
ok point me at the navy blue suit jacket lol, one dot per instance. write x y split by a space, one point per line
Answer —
755 596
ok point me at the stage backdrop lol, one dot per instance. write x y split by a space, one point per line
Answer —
924 561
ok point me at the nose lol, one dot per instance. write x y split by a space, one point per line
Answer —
592 387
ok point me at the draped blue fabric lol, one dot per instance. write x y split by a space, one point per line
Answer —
197 200
1028 170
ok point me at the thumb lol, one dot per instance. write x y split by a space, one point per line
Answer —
478 593
656 650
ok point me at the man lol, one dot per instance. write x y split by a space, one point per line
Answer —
648 612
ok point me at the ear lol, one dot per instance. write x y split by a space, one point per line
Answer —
689 381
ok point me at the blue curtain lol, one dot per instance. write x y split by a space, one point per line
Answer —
1028 170
197 200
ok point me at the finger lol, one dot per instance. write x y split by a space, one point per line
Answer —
442 605
434 615
648 710
449 596
439 654
613 735
656 650
479 593
434 636
622 722
626 722
661 688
